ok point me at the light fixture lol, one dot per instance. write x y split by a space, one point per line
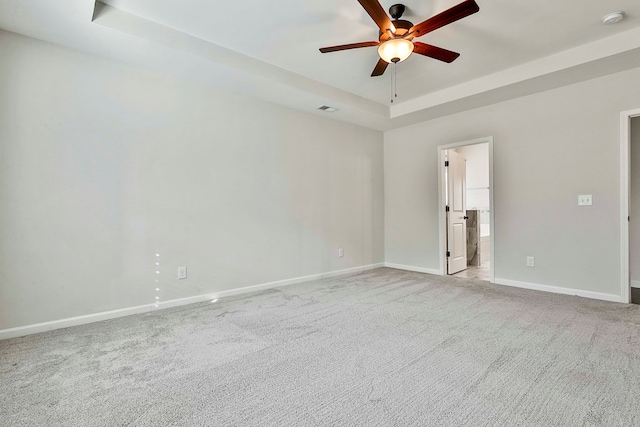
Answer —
613 17
395 50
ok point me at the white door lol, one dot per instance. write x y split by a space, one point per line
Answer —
456 212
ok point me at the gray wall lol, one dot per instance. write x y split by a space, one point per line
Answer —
548 148
634 203
477 158
103 165
477 161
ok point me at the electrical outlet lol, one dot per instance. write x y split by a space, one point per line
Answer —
585 200
340 252
530 261
182 272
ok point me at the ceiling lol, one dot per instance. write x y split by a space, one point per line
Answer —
270 49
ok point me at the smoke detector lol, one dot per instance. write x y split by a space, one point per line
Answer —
613 17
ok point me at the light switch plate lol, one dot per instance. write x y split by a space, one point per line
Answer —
585 200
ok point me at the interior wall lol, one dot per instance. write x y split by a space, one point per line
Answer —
477 158
634 204
103 166
549 147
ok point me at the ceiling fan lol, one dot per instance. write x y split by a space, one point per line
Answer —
395 42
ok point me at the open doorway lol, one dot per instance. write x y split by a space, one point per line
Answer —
634 209
629 204
466 209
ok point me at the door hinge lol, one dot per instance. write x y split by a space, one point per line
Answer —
446 209
446 163
448 254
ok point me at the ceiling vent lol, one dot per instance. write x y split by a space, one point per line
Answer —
327 109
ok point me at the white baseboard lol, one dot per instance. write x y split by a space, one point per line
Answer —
412 268
71 321
112 314
558 290
293 281
635 283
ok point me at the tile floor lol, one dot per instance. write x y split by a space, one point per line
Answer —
481 272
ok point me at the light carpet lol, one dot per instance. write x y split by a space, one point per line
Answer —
380 348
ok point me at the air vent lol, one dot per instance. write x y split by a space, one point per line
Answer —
327 108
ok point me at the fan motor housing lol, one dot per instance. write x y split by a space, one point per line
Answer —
402 28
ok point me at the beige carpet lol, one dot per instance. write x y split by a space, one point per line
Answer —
381 348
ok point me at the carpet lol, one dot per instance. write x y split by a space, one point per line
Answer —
380 348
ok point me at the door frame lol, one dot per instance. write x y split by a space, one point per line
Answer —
625 187
442 218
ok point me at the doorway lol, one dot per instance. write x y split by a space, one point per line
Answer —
629 205
466 209
634 208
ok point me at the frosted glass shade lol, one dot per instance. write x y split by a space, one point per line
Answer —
395 50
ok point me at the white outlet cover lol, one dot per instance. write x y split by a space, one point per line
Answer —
585 200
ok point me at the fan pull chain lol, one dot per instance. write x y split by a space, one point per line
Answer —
395 80
391 94
394 83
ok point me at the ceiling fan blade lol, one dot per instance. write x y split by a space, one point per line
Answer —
466 8
348 46
380 67
434 52
377 13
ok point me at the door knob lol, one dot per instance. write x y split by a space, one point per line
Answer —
466 217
